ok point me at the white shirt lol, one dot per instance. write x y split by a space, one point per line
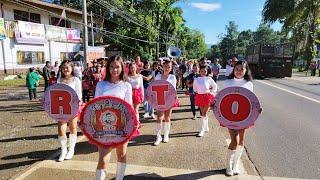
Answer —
229 70
171 79
76 85
77 71
122 90
239 83
204 85
137 83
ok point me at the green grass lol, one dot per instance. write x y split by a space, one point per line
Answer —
12 83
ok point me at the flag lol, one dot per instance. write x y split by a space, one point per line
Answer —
63 16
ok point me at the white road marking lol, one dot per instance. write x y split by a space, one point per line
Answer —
286 90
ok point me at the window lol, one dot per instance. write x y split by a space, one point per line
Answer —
35 18
21 15
30 57
63 23
67 55
26 16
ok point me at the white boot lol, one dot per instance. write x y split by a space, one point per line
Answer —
72 144
121 168
236 160
202 126
230 157
166 127
63 142
158 134
101 174
206 123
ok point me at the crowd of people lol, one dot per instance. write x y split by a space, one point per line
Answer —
130 80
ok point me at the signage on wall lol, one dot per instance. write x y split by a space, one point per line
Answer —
30 33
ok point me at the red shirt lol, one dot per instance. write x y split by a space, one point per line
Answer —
52 80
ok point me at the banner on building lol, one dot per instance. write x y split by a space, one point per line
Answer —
10 27
73 35
55 33
30 33
2 30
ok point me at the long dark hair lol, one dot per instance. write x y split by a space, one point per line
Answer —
122 75
64 63
130 65
247 76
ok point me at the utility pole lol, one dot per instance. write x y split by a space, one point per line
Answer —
158 39
85 31
92 35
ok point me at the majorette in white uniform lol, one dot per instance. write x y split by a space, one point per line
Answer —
137 89
205 89
166 125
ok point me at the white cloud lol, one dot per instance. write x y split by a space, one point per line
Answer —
208 7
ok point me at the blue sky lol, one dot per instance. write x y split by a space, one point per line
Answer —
212 16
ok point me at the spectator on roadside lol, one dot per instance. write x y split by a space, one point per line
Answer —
53 78
55 68
46 74
313 68
78 70
215 68
140 65
147 77
32 82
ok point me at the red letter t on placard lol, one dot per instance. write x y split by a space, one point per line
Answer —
160 93
60 99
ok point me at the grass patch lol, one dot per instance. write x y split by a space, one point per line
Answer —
12 83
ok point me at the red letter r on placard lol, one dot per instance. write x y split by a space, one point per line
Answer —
60 99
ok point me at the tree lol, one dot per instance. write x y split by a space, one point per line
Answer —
299 17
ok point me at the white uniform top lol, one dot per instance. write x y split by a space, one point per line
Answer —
122 90
76 85
239 83
136 82
204 85
171 79
229 70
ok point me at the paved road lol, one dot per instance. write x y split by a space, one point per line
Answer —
286 140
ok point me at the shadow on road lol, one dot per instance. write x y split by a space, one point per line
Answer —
197 175
22 108
30 138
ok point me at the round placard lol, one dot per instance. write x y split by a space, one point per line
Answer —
61 102
161 95
236 107
108 121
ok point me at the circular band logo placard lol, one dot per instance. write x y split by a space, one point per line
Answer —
108 121
161 95
61 102
236 107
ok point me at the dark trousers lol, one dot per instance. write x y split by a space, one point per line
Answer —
193 108
46 84
85 96
33 93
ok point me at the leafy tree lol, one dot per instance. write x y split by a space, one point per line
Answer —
299 17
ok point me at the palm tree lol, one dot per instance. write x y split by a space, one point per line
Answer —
299 17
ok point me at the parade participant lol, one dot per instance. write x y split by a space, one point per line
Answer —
215 68
114 85
205 89
53 78
240 77
46 74
87 85
190 79
166 115
147 77
68 78
140 65
32 82
136 82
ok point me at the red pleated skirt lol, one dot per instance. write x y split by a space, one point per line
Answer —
137 96
203 99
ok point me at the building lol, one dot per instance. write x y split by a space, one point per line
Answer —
32 32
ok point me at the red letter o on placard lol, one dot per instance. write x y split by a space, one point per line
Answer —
243 107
